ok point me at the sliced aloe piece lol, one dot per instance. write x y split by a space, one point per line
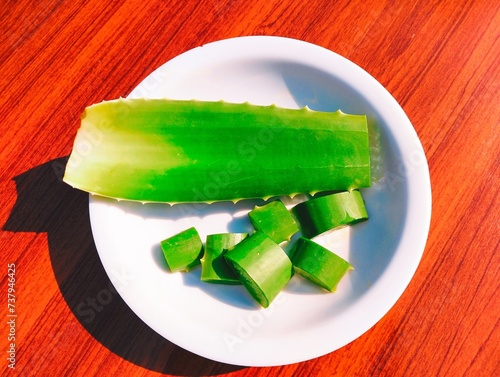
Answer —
274 220
214 268
328 212
162 150
318 264
262 266
183 250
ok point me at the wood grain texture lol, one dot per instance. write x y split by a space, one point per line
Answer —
439 59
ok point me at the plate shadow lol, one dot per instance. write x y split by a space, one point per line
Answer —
46 204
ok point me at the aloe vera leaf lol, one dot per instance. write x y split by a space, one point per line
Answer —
214 268
262 266
183 250
274 220
318 264
190 151
324 213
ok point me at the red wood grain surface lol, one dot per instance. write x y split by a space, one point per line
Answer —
439 59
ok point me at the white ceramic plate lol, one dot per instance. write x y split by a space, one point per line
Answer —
222 322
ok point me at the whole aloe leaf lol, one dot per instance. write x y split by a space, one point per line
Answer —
193 151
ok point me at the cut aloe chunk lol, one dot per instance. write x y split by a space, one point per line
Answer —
214 268
318 264
162 150
262 266
328 212
274 220
183 250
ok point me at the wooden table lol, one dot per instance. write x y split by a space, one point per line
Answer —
439 59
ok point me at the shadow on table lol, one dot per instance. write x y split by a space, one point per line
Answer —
46 204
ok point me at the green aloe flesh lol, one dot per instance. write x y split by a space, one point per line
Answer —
318 264
324 213
183 250
161 150
274 220
262 266
214 268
